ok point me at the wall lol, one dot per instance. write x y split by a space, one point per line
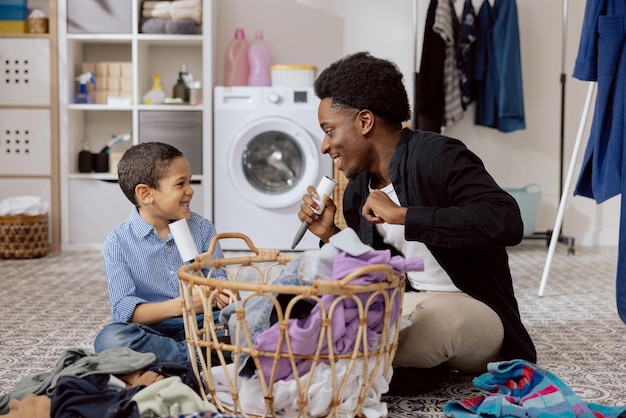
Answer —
320 31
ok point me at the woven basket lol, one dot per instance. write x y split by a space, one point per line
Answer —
37 25
354 374
24 236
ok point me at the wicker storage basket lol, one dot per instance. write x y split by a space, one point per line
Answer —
357 371
23 236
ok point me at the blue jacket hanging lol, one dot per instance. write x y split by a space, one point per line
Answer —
498 69
602 58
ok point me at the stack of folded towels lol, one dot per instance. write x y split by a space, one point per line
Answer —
171 17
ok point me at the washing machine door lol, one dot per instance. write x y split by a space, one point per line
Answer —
272 160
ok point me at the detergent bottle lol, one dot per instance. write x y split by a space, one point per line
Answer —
156 95
83 95
259 60
183 84
236 68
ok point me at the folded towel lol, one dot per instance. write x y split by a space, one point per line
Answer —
187 13
194 14
166 4
181 27
153 25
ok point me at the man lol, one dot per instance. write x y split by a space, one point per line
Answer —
422 194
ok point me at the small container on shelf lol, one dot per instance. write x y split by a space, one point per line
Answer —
37 22
156 95
195 93
292 75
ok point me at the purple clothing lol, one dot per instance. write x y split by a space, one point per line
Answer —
305 334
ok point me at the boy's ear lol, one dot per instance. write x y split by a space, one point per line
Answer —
143 193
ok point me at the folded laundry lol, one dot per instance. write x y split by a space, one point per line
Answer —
174 10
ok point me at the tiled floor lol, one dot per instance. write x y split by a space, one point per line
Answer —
60 301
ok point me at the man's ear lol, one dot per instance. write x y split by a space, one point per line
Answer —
143 193
365 119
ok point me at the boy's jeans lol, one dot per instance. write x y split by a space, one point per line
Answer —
165 339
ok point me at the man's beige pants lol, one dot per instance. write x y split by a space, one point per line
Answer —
451 328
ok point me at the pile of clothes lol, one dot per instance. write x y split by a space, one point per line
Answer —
116 383
171 17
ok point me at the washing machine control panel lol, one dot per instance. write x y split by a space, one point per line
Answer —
298 96
274 97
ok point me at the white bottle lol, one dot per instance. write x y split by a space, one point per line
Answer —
259 62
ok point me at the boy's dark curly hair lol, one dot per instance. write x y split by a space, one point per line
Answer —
362 81
144 163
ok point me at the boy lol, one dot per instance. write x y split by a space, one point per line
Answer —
141 258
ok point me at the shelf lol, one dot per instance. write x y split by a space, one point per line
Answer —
171 107
91 126
91 107
25 35
170 39
112 177
29 161
110 108
100 38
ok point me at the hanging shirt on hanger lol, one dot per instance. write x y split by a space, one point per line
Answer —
447 26
429 102
467 41
498 69
602 58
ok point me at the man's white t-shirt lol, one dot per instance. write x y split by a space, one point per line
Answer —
433 277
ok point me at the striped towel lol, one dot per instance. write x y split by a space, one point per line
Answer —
521 389
445 23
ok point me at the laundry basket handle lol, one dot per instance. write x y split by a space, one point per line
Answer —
225 235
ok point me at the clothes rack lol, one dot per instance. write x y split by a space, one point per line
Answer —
549 235
566 190
552 235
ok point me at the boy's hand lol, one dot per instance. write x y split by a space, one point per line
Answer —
221 300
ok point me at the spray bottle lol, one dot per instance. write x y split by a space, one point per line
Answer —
83 95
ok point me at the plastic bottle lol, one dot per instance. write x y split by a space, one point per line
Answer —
85 159
236 66
181 89
156 95
259 60
83 95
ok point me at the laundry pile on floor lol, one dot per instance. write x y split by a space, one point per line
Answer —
518 388
116 383
171 17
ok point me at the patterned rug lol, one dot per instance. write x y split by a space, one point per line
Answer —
60 301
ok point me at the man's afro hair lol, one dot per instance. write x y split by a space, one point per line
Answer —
362 81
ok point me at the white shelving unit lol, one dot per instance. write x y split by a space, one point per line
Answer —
29 141
92 203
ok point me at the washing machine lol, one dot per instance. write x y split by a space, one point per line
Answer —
266 151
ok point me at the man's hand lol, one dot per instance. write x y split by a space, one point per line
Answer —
379 208
322 225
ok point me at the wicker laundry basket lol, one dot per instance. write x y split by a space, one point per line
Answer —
23 236
357 371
